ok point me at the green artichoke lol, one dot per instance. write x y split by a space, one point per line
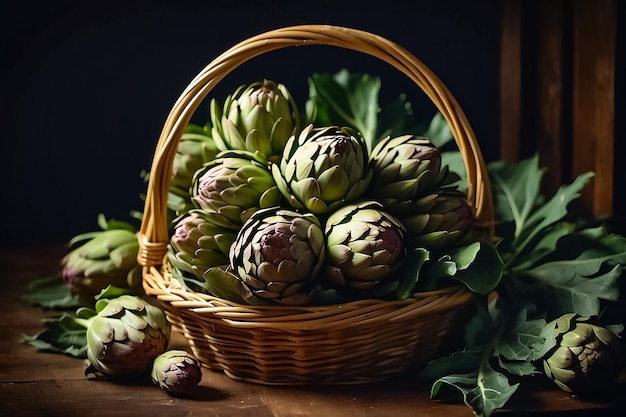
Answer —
201 240
278 254
323 168
259 117
585 357
177 372
364 245
125 337
438 220
196 147
405 168
102 258
235 185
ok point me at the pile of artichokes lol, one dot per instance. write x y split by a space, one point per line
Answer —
283 209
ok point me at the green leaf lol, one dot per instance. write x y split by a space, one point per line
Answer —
113 292
50 292
347 99
477 265
484 391
577 285
438 131
522 339
479 334
410 272
66 334
517 196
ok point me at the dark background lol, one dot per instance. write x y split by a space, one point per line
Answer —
85 87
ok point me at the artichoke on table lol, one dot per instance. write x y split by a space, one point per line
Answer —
586 357
176 372
125 337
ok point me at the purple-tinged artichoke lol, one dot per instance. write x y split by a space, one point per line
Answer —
586 356
125 337
176 372
405 168
235 185
364 245
195 148
259 118
102 258
278 254
201 240
323 169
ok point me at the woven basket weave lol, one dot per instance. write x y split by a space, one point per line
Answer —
355 342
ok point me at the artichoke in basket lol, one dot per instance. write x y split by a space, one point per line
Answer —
125 337
235 185
439 220
406 168
278 254
259 118
176 372
196 147
102 258
323 168
586 356
364 245
201 240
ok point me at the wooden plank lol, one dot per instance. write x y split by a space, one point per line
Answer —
550 83
510 80
594 101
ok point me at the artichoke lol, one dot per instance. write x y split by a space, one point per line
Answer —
364 244
125 337
196 147
259 117
278 254
176 372
439 220
235 185
201 240
323 169
585 357
102 258
405 168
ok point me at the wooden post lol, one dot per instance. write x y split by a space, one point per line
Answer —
594 101
510 80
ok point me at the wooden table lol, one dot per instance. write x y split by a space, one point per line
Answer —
34 383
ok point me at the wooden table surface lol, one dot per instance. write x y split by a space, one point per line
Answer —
35 383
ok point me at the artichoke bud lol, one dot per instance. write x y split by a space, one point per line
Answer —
125 337
323 168
404 169
201 240
259 117
586 357
278 254
196 147
364 244
439 220
235 184
176 372
102 258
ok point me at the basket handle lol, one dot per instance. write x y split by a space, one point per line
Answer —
153 234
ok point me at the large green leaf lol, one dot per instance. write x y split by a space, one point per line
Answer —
50 292
483 391
477 265
66 334
346 99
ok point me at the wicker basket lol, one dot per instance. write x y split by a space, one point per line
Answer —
354 342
